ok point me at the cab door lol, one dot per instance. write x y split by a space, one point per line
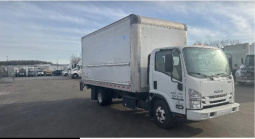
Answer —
168 85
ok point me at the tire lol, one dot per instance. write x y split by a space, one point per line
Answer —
75 76
241 83
162 115
102 97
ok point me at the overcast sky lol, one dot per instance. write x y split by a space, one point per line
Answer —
52 31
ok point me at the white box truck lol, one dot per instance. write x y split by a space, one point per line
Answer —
245 71
146 62
31 71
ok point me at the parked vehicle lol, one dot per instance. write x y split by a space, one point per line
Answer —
40 72
77 71
245 74
31 71
48 72
65 73
16 72
238 52
22 73
57 73
146 62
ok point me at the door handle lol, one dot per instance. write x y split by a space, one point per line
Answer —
155 84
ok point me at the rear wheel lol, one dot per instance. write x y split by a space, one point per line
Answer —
162 114
102 97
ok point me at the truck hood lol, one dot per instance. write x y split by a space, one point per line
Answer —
207 87
216 87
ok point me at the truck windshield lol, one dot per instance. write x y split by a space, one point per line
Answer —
249 60
206 61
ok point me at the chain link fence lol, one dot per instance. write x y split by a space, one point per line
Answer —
6 74
3 72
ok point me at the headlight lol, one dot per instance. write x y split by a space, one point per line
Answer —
232 100
195 99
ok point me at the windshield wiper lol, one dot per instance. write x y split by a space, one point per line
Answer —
223 74
201 75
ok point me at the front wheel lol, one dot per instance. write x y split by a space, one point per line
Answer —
162 115
75 76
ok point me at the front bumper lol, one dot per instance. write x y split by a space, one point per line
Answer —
204 114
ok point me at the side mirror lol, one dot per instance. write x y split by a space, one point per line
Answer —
169 63
242 60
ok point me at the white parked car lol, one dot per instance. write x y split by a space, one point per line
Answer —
65 73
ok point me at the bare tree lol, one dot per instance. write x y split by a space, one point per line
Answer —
74 59
218 43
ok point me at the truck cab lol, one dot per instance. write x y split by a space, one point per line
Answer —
31 71
245 73
22 72
40 72
194 81
77 71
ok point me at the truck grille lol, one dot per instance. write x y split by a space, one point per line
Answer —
217 96
215 99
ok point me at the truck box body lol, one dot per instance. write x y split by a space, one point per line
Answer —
116 56
238 52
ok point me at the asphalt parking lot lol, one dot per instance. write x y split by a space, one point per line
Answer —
54 107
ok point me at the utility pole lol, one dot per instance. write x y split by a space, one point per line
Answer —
7 66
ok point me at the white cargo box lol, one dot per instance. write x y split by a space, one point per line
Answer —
116 56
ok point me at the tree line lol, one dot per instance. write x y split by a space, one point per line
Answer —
23 62
218 43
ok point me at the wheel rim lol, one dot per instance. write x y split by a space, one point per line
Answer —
75 75
99 97
161 114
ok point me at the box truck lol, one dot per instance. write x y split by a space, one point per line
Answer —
31 71
245 72
77 71
146 63
22 72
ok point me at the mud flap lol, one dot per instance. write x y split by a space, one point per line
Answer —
81 85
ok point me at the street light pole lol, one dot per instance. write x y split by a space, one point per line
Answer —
7 66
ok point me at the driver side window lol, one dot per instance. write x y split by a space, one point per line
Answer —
160 64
